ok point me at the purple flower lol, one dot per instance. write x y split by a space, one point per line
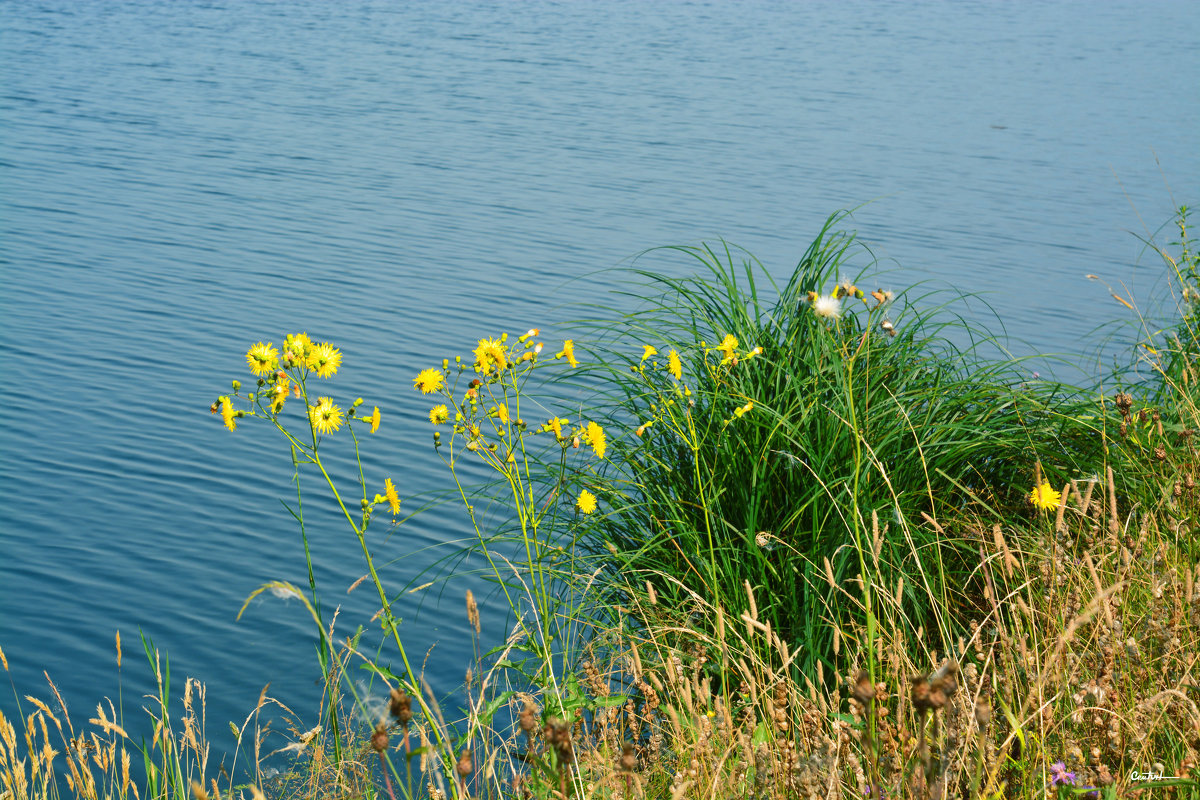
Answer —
1059 775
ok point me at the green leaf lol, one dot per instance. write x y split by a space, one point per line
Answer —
485 716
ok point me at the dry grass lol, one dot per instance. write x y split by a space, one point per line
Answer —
1083 650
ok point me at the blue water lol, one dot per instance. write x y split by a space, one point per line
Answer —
181 179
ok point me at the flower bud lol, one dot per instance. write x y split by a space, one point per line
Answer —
236 385
356 403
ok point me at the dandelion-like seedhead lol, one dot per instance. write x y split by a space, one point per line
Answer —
827 307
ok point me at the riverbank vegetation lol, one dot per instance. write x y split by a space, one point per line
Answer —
800 541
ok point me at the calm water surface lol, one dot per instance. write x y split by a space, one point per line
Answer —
179 180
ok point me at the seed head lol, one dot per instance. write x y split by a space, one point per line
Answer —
983 712
400 706
628 759
920 695
379 739
864 690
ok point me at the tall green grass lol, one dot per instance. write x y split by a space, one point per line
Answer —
876 413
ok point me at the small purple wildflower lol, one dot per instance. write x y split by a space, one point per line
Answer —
1059 775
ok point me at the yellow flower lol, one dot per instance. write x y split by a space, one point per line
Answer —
674 366
744 409
325 416
439 414
648 351
374 419
227 413
502 413
728 344
596 438
262 358
429 381
298 345
555 424
279 395
586 502
324 359
490 352
569 351
1045 497
393 499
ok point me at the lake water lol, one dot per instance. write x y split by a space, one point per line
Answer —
179 180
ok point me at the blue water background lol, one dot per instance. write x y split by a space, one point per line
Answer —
179 180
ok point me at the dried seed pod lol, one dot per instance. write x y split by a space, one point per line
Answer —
920 694
379 739
465 765
473 611
528 718
400 706
983 712
864 691
628 760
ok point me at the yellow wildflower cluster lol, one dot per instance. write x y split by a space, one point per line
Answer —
491 354
728 348
301 352
282 375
